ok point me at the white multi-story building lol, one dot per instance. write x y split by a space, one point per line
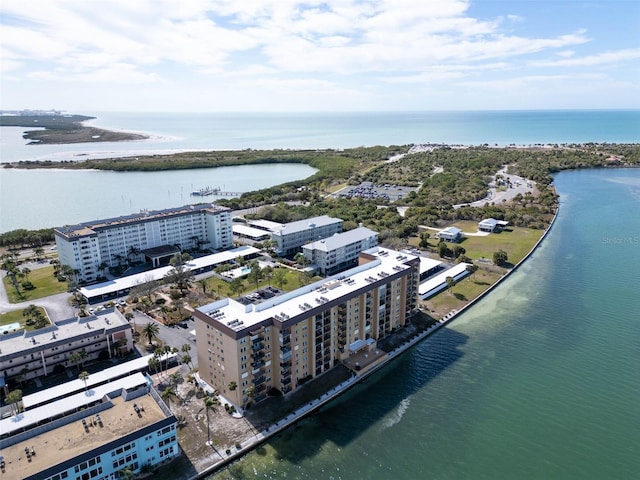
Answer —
340 251
25 355
290 237
91 246
93 434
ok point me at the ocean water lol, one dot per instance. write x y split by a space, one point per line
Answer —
171 132
540 380
48 198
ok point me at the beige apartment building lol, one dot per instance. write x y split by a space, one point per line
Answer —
246 351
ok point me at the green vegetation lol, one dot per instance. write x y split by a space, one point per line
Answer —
30 318
464 292
44 284
21 237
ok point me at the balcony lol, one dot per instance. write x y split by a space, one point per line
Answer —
255 356
257 346
259 381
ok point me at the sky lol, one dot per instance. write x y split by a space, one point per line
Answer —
85 56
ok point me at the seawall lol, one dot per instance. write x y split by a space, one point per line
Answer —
251 443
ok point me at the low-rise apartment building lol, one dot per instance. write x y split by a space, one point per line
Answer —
93 434
290 237
339 251
25 355
88 247
246 351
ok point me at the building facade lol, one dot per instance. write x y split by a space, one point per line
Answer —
91 435
290 237
90 247
30 354
246 351
339 251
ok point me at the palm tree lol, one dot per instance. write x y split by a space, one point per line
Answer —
186 358
471 268
209 403
56 266
102 267
26 271
450 283
168 395
38 252
154 364
84 376
133 251
151 331
75 358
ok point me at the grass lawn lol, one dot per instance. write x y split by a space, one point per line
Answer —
516 241
292 283
43 280
462 293
16 316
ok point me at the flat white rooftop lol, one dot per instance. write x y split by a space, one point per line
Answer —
306 224
30 418
237 316
101 377
432 285
125 283
343 239
427 264
62 331
241 229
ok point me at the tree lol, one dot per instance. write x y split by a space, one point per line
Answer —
451 282
233 387
256 273
168 395
179 275
40 320
500 257
458 250
75 358
13 398
424 240
235 286
154 364
472 268
84 376
126 473
251 394
133 252
209 403
151 331
443 250
280 277
26 271
30 312
38 252
102 267
186 359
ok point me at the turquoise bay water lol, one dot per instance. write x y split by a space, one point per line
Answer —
52 198
214 131
541 380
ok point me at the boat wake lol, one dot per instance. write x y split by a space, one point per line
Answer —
397 415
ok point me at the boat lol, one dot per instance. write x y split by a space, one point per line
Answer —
206 191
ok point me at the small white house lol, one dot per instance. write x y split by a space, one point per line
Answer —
450 234
491 225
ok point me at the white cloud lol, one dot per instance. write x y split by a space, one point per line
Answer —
319 47
593 60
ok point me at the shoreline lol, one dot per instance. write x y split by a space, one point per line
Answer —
263 436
